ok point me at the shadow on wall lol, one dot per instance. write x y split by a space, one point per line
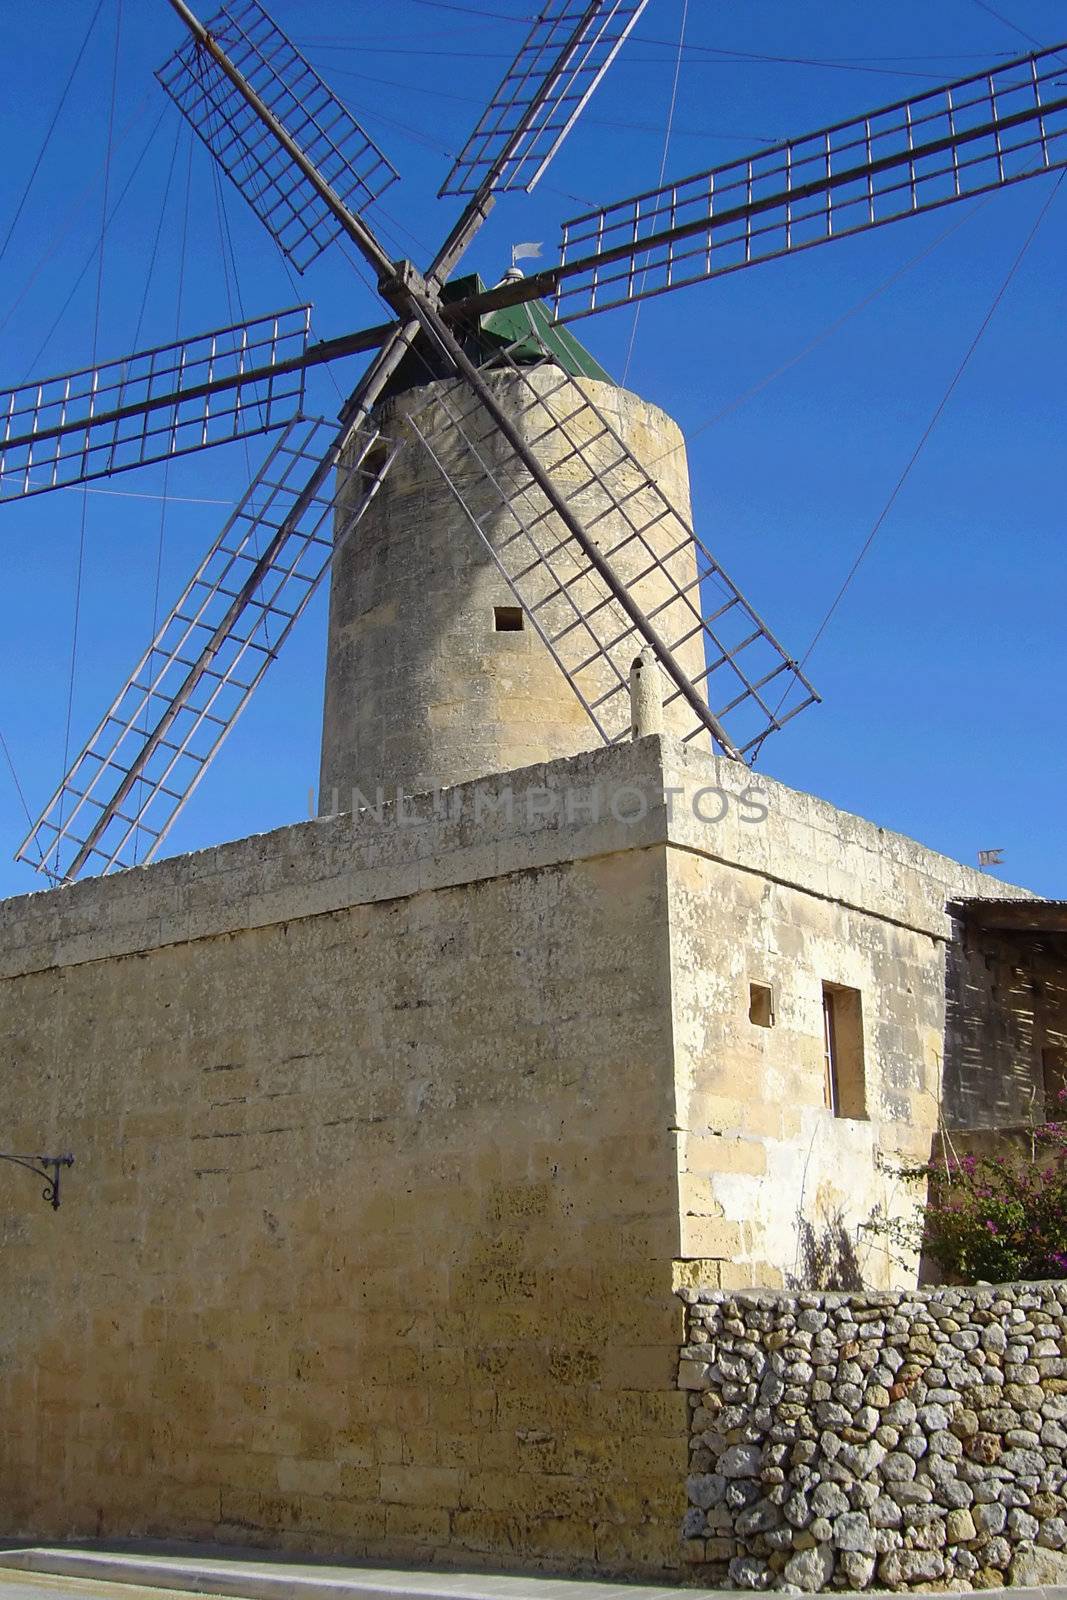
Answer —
826 1257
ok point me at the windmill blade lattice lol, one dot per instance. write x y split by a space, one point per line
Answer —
228 384
124 790
562 60
714 637
965 139
284 200
581 530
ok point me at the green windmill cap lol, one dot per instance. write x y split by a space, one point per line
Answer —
526 331
529 332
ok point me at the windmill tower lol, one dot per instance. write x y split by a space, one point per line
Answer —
506 527
435 674
393 1148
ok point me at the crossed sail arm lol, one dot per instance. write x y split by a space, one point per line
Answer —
227 384
593 550
305 109
562 60
980 133
708 638
123 792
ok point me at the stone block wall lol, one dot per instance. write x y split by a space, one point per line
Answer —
892 1440
771 1180
374 1117
354 1184
781 1182
421 688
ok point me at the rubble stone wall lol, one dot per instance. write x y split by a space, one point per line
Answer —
892 1440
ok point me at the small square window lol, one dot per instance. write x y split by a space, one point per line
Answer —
508 619
846 1086
760 1005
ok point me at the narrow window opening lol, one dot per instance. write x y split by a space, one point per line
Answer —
508 619
760 1005
846 1086
370 466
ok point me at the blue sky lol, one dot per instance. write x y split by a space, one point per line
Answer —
942 670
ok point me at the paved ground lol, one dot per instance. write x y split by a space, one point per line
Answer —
39 1586
169 1573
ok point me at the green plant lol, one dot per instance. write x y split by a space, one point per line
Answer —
992 1218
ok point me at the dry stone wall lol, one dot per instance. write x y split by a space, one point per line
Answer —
893 1440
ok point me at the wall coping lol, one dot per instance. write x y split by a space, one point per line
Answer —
328 864
982 1294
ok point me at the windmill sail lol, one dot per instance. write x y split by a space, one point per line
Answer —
704 631
123 792
288 87
562 60
980 133
228 384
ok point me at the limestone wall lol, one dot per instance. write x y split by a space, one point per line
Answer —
771 1181
421 687
890 1441
353 1189
787 1180
379 1122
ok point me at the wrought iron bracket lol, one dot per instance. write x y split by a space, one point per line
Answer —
47 1167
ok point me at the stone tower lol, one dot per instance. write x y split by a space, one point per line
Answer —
434 676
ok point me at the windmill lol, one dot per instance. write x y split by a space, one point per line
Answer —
533 443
